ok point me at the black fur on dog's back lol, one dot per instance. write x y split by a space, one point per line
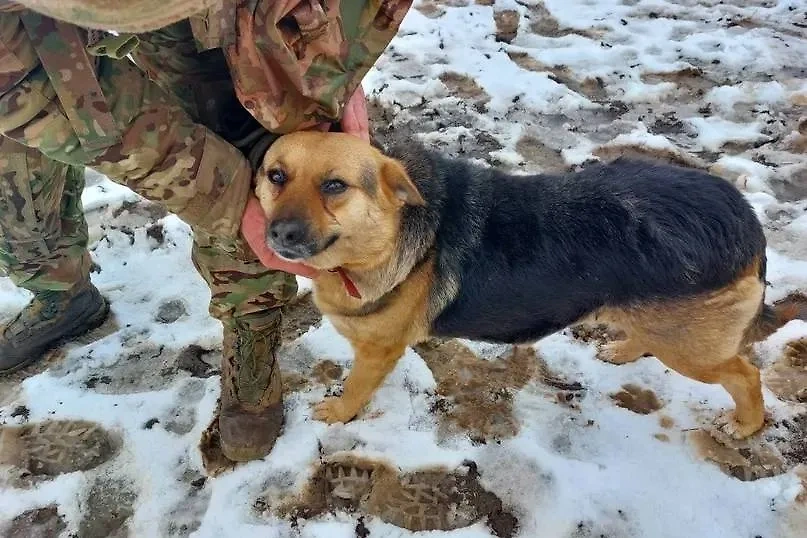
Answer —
519 257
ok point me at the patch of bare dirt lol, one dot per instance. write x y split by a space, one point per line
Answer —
327 372
536 152
691 82
591 88
430 9
794 187
298 317
37 523
193 359
543 23
668 124
475 395
293 381
433 499
110 503
787 377
677 157
144 366
387 129
790 437
464 87
506 24
635 398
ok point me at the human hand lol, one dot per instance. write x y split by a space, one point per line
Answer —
355 121
253 228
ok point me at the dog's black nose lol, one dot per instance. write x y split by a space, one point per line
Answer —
288 232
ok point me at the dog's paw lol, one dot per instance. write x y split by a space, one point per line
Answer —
332 410
727 424
617 352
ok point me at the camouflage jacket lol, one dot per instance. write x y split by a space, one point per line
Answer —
294 63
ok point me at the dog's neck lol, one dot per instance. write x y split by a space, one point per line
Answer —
417 233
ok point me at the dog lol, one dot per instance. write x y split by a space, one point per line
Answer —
411 245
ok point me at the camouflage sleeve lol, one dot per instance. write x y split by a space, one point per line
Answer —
296 63
159 150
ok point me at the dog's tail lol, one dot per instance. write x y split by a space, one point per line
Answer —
770 317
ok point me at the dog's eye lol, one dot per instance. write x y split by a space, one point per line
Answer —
277 176
333 186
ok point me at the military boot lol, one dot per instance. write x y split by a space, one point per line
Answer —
251 394
50 318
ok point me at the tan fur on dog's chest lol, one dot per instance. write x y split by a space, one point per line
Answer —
402 318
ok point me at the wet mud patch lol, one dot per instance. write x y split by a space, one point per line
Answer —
430 9
41 450
213 459
543 23
746 460
506 24
143 366
427 500
781 447
43 522
186 515
150 211
198 362
110 504
298 317
634 398
668 123
787 377
790 437
673 156
171 311
424 118
537 153
464 87
327 372
591 88
475 396
691 83
792 188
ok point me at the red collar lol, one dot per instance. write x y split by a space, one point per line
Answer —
350 286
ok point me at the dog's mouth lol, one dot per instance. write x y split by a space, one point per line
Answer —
303 251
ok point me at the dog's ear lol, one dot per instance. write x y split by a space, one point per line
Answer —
395 178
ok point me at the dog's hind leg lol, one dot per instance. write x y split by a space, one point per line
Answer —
703 338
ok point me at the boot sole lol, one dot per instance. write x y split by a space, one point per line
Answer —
92 323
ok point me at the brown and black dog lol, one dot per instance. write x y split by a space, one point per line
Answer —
412 244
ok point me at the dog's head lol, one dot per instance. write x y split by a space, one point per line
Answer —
332 200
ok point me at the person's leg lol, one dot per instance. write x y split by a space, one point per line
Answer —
245 296
168 156
43 248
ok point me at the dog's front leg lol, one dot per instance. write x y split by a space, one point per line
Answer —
372 364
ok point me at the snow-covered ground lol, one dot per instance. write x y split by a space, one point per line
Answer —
472 440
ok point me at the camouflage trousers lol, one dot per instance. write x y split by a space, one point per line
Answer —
180 123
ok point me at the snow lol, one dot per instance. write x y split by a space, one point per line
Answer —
598 470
